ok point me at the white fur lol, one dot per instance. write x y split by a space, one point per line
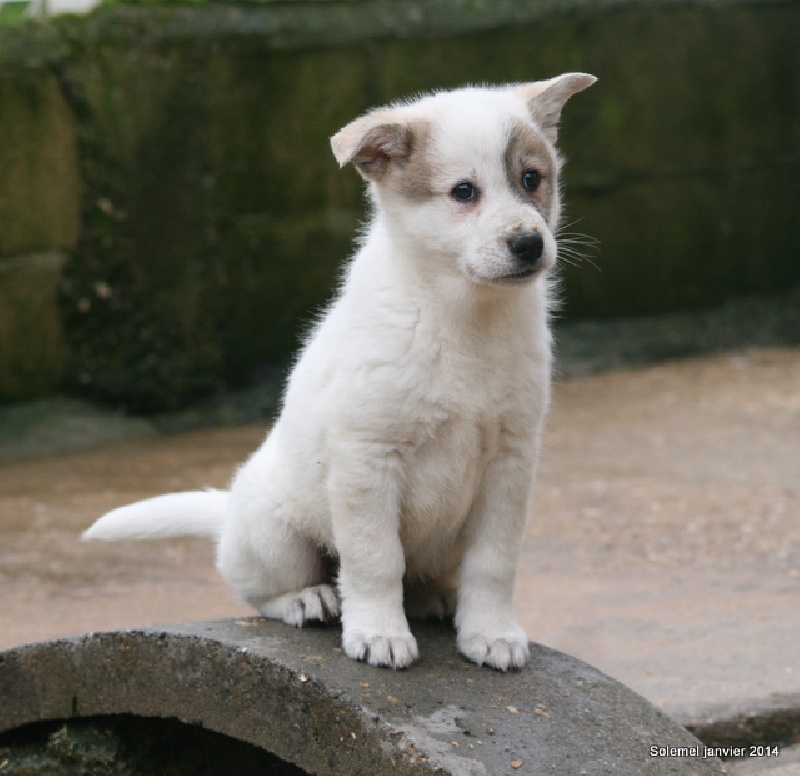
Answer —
407 442
196 513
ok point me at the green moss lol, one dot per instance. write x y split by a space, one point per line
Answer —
13 12
138 294
726 233
40 189
206 238
33 356
279 272
270 118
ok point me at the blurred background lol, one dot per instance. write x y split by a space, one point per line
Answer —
171 216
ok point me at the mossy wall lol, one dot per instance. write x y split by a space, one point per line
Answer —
175 162
39 222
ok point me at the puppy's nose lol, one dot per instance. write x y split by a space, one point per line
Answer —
526 247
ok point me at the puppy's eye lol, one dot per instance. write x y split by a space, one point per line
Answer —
531 180
465 192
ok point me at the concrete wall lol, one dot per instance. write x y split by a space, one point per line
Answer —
167 176
39 223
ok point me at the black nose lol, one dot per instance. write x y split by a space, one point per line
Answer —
526 247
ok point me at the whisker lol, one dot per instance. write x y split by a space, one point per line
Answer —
577 237
563 227
574 248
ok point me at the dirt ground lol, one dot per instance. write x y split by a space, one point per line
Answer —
664 548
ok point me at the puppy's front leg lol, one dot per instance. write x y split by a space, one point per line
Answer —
365 506
488 632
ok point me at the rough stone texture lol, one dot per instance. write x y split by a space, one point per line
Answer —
40 218
33 355
39 181
213 218
293 693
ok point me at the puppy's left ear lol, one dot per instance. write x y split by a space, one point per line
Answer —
546 98
373 142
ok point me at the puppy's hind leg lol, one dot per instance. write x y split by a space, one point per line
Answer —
273 567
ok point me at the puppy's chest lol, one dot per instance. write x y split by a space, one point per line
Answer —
455 411
443 465
454 423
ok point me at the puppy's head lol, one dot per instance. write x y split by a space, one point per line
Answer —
466 181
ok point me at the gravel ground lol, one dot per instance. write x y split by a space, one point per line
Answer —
690 465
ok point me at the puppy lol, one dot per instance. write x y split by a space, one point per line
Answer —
406 446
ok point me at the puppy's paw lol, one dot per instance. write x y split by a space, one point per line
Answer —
398 651
319 603
501 651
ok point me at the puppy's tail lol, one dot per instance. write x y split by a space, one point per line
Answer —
194 513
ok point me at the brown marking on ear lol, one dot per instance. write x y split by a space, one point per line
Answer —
545 99
372 142
527 150
387 147
381 145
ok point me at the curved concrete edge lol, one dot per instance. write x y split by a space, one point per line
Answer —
295 694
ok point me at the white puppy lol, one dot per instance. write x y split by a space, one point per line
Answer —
406 447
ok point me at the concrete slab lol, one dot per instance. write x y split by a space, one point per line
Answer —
295 694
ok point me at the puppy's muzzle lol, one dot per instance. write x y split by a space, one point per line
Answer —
527 249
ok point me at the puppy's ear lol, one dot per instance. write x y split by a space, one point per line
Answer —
372 142
546 98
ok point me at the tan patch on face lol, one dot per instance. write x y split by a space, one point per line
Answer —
527 150
413 175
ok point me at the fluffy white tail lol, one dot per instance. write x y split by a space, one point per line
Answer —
194 513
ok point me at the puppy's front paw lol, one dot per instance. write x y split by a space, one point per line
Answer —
500 650
398 651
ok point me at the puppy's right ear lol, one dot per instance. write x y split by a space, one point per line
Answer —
372 142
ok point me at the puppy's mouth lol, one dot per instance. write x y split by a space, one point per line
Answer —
518 276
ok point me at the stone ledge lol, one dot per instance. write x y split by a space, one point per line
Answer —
293 693
299 25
